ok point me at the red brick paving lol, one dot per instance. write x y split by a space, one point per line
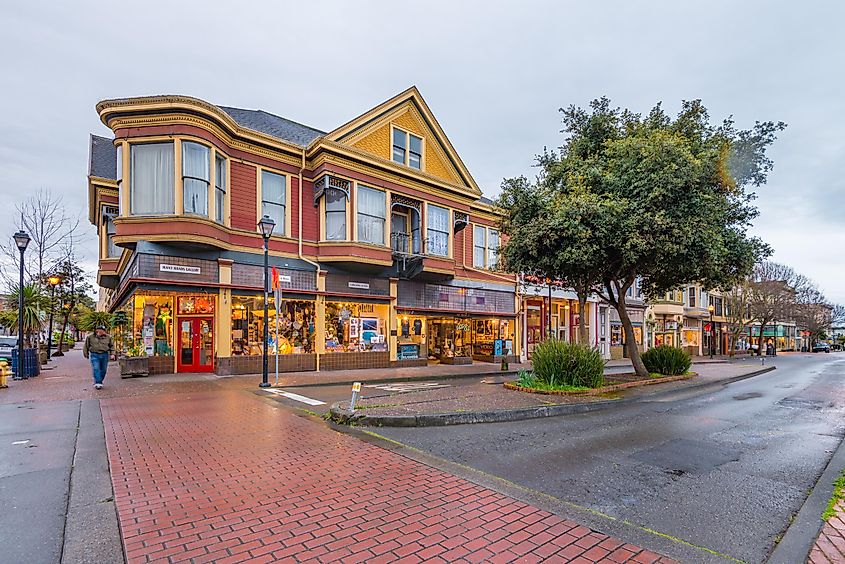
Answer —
226 477
830 545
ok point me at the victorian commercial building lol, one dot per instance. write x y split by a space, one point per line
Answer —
384 249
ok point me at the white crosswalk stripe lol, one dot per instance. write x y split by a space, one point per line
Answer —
407 386
295 397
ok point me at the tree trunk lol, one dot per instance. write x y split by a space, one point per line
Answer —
760 343
630 340
583 335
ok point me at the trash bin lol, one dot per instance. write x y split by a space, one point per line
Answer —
31 366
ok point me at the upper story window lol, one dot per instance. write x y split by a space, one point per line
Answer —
119 164
372 211
492 248
335 214
195 177
220 186
485 247
479 246
152 179
274 199
691 295
407 148
112 250
437 231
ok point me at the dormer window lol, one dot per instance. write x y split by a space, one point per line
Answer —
407 149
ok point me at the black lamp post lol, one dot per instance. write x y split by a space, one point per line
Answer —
21 240
266 226
711 309
54 281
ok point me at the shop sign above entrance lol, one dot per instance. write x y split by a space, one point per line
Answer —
180 269
359 285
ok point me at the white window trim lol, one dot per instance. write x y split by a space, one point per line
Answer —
386 230
260 200
487 249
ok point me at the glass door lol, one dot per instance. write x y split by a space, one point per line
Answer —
196 344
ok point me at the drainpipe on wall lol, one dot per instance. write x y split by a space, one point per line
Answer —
299 248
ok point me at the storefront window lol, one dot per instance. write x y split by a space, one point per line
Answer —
153 324
492 337
450 338
196 305
412 338
295 333
356 327
615 335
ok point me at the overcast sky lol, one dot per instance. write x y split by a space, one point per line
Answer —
493 73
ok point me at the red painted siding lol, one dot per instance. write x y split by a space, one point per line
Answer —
243 197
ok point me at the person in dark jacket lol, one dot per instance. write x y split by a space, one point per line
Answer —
98 347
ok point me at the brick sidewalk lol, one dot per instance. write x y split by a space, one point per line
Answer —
830 546
228 477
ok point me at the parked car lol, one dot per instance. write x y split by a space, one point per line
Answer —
821 347
7 343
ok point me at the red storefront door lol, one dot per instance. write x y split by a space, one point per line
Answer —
196 344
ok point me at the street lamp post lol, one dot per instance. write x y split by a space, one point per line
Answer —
711 309
266 226
21 240
54 281
549 314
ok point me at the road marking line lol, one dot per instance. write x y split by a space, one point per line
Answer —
407 386
297 397
20 442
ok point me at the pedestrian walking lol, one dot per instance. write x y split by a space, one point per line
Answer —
99 347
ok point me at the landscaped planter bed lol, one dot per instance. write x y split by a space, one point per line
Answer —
598 391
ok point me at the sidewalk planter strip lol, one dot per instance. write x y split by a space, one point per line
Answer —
598 391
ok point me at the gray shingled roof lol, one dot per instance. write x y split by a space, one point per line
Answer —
486 200
103 157
274 125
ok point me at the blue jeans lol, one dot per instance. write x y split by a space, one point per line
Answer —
99 364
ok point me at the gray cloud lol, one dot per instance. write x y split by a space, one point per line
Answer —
494 73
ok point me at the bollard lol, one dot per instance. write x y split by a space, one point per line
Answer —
4 374
356 389
504 363
762 361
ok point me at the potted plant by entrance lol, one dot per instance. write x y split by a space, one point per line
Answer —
134 362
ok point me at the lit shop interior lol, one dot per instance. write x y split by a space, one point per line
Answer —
444 338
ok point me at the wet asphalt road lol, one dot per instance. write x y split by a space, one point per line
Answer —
723 470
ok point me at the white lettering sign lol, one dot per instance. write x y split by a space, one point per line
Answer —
359 285
180 269
284 278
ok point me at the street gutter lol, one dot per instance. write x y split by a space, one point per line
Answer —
344 415
798 541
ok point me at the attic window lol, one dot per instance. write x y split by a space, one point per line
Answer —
407 148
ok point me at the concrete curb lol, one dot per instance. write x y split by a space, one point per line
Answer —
344 415
800 536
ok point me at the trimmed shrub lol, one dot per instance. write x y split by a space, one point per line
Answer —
667 360
558 363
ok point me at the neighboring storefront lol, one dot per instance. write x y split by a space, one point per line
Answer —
617 333
454 324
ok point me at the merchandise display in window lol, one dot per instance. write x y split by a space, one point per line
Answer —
296 326
356 327
152 324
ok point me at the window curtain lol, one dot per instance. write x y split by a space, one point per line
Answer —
195 175
493 249
152 181
273 199
438 231
219 189
371 215
335 215
479 236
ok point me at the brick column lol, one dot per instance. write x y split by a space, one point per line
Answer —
223 315
320 322
392 325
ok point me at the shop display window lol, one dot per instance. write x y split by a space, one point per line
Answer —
356 327
152 325
295 333
412 339
486 336
194 305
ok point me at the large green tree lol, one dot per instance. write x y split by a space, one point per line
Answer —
651 198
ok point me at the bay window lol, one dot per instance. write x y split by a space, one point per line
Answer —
220 189
195 177
152 179
112 250
371 215
335 215
273 198
437 230
479 246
